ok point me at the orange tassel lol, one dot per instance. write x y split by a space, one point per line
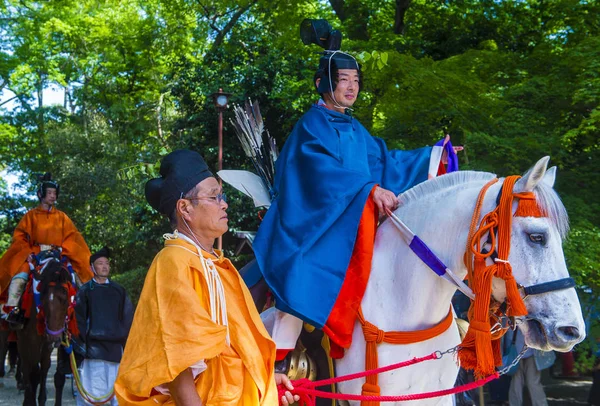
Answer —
528 206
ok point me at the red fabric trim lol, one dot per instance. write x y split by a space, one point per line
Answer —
281 354
335 351
27 298
441 169
340 323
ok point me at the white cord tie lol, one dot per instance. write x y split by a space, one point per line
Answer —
216 292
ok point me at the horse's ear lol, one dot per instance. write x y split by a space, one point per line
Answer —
533 176
550 177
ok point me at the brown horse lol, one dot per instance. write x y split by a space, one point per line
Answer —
35 349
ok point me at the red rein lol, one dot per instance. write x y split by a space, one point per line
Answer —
308 394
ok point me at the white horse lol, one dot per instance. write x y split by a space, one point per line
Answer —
404 295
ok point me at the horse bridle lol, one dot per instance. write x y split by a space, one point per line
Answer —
502 320
57 333
424 253
65 286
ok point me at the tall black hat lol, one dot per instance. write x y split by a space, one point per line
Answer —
321 33
180 171
104 252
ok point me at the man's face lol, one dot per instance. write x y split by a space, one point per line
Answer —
208 213
50 197
102 267
346 90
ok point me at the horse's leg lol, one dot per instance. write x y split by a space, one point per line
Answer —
19 373
3 350
59 384
28 398
35 382
13 356
59 376
44 367
30 379
29 344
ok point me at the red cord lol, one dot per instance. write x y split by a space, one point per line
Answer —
305 388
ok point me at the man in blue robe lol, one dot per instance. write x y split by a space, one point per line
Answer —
333 180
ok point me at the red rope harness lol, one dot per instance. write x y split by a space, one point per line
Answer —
305 388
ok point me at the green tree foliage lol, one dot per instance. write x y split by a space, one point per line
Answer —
511 80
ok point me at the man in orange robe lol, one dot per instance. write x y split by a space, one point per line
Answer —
42 228
196 338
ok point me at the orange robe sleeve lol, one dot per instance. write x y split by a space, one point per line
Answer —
76 249
21 246
172 330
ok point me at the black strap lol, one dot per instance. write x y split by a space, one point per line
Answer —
546 287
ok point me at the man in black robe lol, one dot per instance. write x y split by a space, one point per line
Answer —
104 315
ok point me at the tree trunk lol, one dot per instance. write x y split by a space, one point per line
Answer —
355 17
401 7
40 95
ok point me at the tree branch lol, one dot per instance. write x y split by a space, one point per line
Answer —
401 7
8 101
339 8
234 19
161 137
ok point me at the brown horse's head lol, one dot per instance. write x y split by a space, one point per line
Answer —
54 287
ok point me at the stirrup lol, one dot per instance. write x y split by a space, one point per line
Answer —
15 319
297 365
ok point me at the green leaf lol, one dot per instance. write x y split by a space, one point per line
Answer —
384 57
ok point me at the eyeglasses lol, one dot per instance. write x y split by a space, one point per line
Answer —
217 198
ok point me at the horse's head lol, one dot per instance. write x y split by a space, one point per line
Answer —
554 320
54 289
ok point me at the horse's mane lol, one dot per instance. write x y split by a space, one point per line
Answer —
425 189
547 198
54 272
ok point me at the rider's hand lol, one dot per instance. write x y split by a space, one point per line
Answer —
456 149
288 398
384 199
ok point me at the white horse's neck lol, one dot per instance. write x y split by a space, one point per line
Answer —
422 298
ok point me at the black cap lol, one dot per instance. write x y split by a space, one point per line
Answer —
180 171
331 62
102 253
45 182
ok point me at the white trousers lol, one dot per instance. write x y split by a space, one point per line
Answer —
98 379
283 328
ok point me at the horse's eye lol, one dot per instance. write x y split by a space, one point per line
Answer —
537 238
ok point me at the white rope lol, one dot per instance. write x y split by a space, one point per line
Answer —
216 292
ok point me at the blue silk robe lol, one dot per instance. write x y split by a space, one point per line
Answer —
324 175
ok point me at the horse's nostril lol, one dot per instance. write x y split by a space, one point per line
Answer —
568 333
